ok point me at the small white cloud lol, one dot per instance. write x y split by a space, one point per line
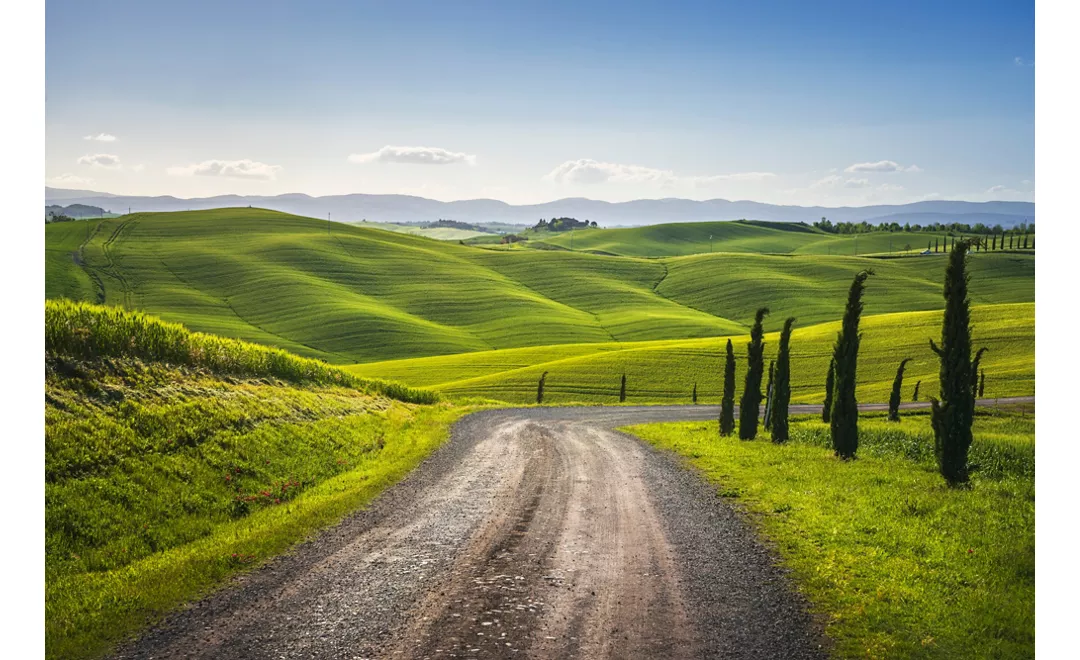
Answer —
101 137
913 168
587 170
237 169
879 166
107 161
889 187
1019 61
68 179
996 189
857 183
414 156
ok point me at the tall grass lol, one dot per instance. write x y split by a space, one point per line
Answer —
87 331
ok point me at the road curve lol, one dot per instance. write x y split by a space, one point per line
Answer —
536 532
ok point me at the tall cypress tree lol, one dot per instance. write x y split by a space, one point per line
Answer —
693 396
894 398
622 389
782 385
915 394
952 415
830 383
750 405
540 388
975 371
844 424
935 245
727 403
982 384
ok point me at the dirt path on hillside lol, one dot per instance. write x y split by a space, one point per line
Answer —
537 533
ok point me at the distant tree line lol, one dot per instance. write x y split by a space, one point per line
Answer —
563 224
978 228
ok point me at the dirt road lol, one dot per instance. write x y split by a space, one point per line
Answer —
532 533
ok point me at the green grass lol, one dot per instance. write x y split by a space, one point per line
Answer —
87 331
350 294
175 459
687 238
64 277
897 564
437 233
665 371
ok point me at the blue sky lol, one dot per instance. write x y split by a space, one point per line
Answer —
838 103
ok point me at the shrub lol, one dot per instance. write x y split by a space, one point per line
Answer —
750 405
894 397
782 385
727 403
844 424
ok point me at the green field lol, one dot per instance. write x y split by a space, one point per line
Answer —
895 563
173 461
438 233
350 294
666 371
686 238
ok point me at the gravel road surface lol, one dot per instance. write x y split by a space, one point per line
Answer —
535 533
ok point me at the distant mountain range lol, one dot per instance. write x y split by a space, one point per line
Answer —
405 208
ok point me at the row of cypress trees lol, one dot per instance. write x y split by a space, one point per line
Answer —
778 389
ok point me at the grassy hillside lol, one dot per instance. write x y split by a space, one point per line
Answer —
665 371
680 239
175 460
350 294
64 276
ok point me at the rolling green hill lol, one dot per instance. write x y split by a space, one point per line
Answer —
666 371
678 239
350 294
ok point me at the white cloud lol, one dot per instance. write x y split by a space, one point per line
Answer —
589 171
857 183
913 168
889 187
237 169
879 166
996 189
107 161
138 168
101 137
1019 61
414 156
67 179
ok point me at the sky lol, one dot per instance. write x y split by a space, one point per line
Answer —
824 103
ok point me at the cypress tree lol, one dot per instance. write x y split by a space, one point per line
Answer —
928 245
750 405
935 245
622 389
975 372
767 420
727 403
845 411
982 383
782 385
693 396
894 398
830 382
951 417
915 395
1010 241
540 388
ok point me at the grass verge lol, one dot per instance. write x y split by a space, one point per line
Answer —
897 564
